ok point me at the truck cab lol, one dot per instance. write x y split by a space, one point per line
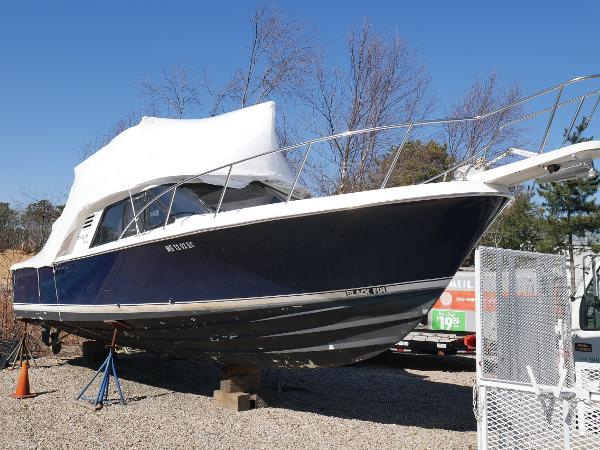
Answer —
585 313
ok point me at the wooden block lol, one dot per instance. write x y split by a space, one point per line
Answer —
219 397
236 401
256 401
228 386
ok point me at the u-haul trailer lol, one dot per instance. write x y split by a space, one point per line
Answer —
450 325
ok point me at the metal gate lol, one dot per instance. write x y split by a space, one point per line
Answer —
528 394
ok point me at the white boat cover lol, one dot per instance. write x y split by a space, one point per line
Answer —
158 151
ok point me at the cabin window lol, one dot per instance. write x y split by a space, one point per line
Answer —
111 226
156 215
138 202
254 194
120 214
185 203
189 200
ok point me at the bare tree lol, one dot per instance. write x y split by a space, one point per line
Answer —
126 121
176 92
466 139
383 84
281 58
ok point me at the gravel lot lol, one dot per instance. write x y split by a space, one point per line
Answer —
398 401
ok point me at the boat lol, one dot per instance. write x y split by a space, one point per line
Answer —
195 238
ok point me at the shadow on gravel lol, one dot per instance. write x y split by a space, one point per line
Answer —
379 390
426 362
179 375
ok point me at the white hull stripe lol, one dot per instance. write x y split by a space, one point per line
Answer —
238 303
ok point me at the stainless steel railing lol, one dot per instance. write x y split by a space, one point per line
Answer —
409 126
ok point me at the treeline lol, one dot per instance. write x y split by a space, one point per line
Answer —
28 228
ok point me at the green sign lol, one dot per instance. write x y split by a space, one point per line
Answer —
448 320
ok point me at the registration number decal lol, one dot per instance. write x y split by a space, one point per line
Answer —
179 246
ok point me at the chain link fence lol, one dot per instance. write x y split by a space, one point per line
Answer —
529 394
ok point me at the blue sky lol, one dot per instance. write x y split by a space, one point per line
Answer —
68 70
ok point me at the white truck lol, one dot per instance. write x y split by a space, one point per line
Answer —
585 313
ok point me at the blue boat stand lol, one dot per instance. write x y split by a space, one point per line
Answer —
108 369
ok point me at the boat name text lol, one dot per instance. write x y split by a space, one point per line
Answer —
376 290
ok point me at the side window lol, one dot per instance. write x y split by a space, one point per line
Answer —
589 310
156 214
187 203
119 215
111 225
138 223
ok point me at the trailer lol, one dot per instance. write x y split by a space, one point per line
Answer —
449 327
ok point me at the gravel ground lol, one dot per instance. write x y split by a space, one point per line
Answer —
398 401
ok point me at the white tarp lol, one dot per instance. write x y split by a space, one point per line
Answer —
158 151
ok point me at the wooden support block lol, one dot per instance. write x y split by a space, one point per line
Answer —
236 401
229 387
240 385
240 379
256 401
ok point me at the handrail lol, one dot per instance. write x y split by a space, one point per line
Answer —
515 121
410 125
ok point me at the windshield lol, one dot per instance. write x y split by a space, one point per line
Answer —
254 194
185 203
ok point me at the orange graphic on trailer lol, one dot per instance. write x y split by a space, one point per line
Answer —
459 295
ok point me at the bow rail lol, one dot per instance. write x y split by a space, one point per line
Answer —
409 126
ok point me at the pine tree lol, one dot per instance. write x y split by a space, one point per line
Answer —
570 209
520 227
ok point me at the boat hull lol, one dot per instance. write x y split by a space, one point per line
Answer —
318 290
316 334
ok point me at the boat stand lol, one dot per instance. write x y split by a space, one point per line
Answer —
239 388
108 369
21 352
